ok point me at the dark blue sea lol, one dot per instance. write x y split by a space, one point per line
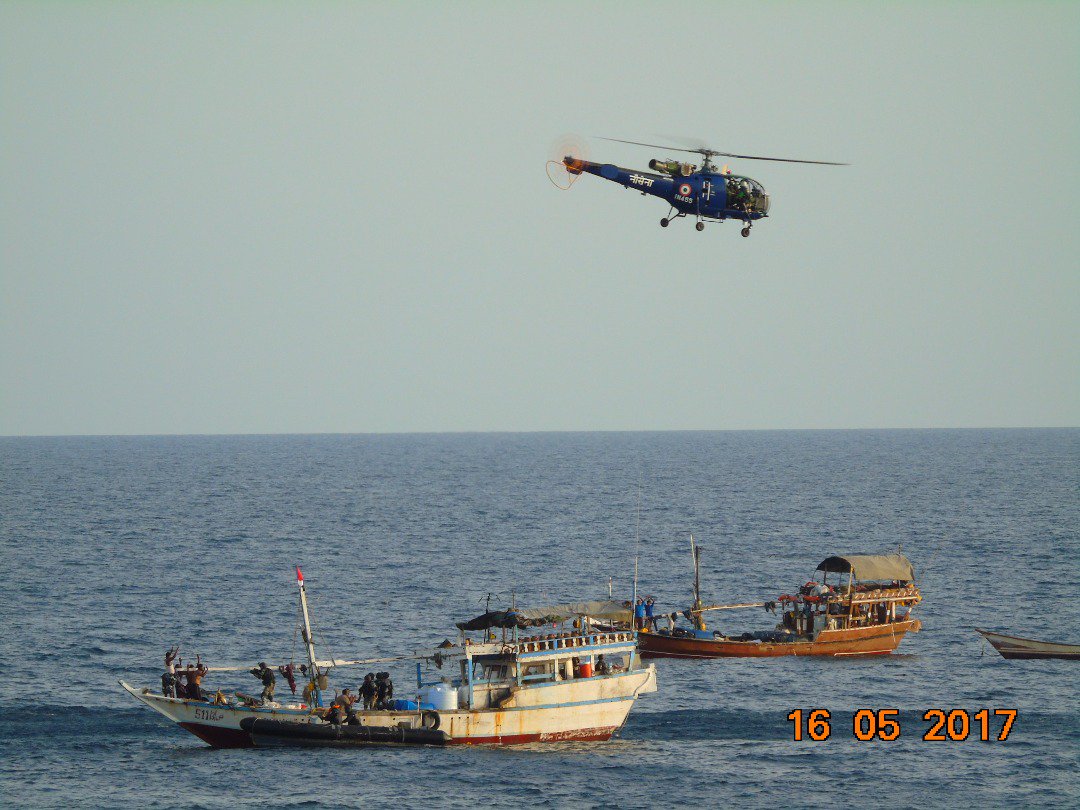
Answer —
115 548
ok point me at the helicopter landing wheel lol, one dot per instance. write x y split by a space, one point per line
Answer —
745 231
700 226
665 222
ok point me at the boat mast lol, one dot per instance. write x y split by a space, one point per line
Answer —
695 611
637 544
309 642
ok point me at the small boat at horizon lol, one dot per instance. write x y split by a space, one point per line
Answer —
1017 647
869 615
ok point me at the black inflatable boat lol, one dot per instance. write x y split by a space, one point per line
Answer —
278 732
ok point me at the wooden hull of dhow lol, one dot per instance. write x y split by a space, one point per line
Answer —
857 641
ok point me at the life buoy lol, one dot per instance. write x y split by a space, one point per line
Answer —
430 719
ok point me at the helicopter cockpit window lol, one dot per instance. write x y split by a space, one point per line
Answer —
744 194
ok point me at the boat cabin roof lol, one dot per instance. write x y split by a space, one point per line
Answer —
871 567
521 618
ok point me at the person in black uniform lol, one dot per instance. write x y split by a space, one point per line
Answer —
266 675
384 690
367 691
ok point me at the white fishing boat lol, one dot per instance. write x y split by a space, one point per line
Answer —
1018 647
576 685
551 688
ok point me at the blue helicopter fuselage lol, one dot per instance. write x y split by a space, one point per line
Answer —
706 195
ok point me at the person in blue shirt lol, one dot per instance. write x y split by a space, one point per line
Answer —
650 621
639 614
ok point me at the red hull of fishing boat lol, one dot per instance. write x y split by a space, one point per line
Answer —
219 737
879 639
578 735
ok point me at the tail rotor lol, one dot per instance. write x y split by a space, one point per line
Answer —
565 158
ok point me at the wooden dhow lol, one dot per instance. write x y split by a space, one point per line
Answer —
868 615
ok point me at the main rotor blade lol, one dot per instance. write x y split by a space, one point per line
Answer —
689 143
781 160
654 145
714 153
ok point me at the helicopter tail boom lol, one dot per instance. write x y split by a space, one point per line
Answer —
657 185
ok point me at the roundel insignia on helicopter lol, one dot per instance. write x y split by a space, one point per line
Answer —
685 190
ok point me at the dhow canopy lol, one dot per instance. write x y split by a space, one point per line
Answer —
534 617
871 567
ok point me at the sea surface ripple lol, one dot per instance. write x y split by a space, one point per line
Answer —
115 548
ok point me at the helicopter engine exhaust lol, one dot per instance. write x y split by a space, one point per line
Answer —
672 167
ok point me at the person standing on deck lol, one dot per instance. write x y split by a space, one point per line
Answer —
170 658
384 690
367 691
168 684
347 702
639 614
650 620
266 675
195 691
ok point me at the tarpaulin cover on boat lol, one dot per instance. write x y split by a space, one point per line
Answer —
875 567
607 610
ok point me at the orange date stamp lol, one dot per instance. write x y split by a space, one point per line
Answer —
945 725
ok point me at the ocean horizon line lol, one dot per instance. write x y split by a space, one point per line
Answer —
549 431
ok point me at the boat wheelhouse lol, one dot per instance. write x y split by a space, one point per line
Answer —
869 614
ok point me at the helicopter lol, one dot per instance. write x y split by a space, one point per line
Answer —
706 193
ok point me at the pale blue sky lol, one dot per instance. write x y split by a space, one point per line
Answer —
334 217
